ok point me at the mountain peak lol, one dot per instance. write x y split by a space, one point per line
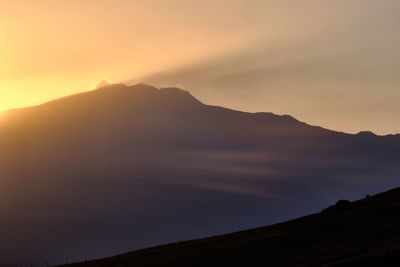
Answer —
366 134
103 83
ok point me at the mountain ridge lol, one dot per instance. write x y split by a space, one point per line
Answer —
142 88
101 169
184 95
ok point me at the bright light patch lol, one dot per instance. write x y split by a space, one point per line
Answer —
100 84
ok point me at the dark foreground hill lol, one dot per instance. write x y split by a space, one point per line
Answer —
128 167
360 233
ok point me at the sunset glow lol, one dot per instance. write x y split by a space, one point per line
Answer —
186 133
346 52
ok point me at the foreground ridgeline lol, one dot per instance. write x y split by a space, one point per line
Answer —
360 233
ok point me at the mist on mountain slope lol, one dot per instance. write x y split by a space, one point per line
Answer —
126 167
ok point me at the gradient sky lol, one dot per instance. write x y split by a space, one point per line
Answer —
329 63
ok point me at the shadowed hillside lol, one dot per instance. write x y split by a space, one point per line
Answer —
127 167
360 233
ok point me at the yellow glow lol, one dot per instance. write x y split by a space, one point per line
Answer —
328 69
60 47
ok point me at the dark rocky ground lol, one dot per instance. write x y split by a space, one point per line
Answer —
361 233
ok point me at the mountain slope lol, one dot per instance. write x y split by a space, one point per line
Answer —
127 167
362 233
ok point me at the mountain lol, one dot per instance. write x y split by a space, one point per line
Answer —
126 167
359 233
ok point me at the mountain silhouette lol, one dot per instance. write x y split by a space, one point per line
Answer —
126 167
364 233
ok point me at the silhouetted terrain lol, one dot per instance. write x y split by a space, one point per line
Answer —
360 233
127 167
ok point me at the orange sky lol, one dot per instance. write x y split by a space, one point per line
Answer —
53 48
331 63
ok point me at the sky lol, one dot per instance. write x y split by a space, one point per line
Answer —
330 63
